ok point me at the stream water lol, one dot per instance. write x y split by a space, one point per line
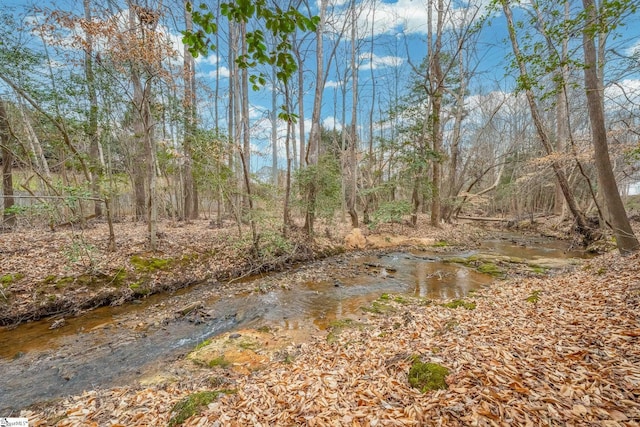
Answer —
117 345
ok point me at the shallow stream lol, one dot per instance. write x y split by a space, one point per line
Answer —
113 346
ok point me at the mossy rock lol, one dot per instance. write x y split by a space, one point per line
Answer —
427 376
192 405
490 268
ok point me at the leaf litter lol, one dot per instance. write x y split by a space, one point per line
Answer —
572 358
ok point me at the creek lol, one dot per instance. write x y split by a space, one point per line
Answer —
113 346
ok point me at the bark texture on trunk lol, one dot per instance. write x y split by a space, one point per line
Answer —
625 238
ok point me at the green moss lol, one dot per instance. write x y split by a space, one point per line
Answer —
441 244
264 329
601 271
534 297
64 281
50 279
378 308
149 265
8 279
460 303
490 268
219 362
385 297
118 278
85 279
427 376
192 405
202 344
401 300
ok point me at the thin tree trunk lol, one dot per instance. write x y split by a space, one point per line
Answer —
96 165
246 141
311 153
8 217
352 196
190 204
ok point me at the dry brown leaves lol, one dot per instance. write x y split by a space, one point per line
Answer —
571 356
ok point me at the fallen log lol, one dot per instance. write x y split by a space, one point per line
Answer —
481 218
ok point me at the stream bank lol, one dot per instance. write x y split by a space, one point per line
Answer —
569 356
113 345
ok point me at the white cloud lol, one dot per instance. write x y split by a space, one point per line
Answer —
403 16
332 84
374 61
209 60
622 94
223 73
331 123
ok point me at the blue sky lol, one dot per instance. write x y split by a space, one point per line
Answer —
399 31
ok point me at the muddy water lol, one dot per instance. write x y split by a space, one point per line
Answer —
116 345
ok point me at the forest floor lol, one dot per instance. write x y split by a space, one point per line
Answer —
554 350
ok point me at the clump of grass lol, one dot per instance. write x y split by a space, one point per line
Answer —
427 376
192 405
460 303
219 362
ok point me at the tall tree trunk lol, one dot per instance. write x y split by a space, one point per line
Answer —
581 223
95 165
311 153
436 83
190 205
246 140
301 142
286 220
274 129
625 238
352 195
8 217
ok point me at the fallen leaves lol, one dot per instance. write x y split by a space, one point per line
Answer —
572 358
